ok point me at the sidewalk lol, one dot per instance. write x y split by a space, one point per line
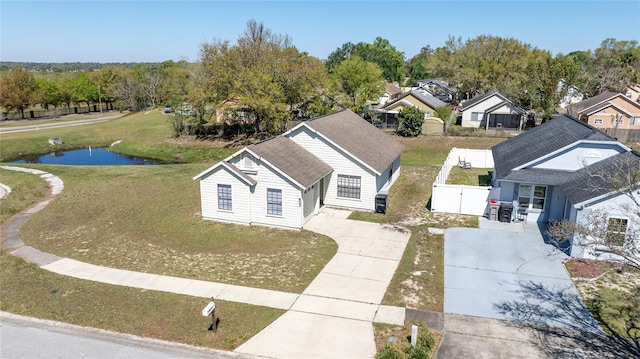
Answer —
332 318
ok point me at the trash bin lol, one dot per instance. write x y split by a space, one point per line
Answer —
505 211
494 206
381 202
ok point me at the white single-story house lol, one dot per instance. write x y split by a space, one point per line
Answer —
339 160
492 111
558 171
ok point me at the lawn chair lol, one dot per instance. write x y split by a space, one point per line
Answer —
463 164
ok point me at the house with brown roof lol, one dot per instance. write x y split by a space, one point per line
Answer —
339 160
391 91
608 110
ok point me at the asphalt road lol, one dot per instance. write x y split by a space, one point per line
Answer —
56 125
30 338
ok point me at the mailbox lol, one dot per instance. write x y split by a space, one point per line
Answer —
206 311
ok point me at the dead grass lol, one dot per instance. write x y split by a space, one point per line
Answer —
31 291
146 218
611 292
402 333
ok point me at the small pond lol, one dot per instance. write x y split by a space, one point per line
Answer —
88 157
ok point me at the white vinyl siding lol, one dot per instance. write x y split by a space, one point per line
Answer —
481 107
240 212
266 178
341 163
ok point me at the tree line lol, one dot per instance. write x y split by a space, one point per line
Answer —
262 81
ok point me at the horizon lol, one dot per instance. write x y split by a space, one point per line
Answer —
158 31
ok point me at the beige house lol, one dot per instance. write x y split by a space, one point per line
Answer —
426 103
633 92
608 110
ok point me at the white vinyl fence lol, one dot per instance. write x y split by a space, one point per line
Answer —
461 199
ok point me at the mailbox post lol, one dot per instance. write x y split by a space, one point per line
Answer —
210 309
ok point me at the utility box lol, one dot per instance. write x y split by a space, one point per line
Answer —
505 211
381 202
494 207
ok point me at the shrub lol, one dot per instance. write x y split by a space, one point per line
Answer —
389 351
410 121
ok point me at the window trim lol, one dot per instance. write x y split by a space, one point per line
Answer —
353 188
619 236
531 197
478 116
224 197
274 202
597 121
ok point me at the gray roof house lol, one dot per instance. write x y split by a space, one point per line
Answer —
554 172
492 110
338 160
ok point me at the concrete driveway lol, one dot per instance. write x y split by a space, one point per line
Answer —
510 273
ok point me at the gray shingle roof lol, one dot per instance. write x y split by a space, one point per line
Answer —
290 158
596 180
480 98
540 141
359 138
241 174
430 101
538 175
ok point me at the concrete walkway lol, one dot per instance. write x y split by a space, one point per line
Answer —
332 318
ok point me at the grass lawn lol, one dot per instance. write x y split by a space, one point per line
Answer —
419 280
26 190
144 135
31 291
146 218
611 294
470 177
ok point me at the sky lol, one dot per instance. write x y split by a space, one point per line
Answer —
156 31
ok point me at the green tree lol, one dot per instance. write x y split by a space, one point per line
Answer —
48 93
416 68
410 121
262 74
380 52
357 82
18 89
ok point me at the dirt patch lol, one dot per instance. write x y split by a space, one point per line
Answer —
587 268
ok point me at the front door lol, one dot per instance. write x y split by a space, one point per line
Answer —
321 192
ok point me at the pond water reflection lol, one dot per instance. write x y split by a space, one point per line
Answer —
88 157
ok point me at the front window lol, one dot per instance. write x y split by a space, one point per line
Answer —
618 122
616 231
224 197
476 116
349 186
530 196
274 201
597 121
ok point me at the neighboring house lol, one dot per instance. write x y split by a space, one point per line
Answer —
572 95
633 92
492 110
608 110
426 103
438 88
338 160
391 91
551 173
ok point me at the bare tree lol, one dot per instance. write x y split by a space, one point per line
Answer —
609 231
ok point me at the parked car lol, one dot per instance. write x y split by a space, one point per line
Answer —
168 109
